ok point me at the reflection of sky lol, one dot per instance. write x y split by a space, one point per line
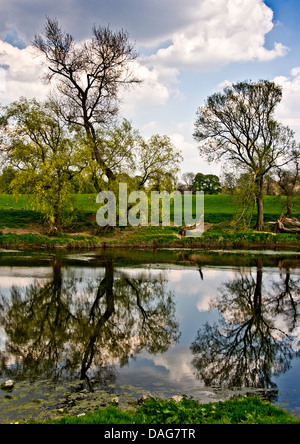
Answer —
193 295
21 277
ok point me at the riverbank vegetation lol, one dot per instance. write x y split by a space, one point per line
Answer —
22 226
187 411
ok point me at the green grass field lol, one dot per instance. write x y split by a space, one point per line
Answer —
18 212
21 226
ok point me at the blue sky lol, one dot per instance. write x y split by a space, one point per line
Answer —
187 51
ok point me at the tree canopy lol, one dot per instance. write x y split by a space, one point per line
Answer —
43 151
208 183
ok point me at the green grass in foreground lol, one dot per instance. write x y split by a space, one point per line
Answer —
188 411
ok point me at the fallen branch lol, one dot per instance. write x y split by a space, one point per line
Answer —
280 225
294 222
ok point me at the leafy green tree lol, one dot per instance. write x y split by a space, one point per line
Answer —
239 125
118 144
139 162
165 182
45 154
157 160
208 183
6 178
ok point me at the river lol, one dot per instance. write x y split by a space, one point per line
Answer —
79 330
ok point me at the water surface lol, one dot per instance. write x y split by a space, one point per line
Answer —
78 330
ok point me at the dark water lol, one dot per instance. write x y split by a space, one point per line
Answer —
80 330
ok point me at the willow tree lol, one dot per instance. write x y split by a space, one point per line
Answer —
239 125
88 77
36 144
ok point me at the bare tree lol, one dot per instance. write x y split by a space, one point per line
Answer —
229 181
88 77
188 179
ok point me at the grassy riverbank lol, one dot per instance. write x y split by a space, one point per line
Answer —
150 238
22 227
187 411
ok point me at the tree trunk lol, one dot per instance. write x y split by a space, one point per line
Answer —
92 138
257 303
260 205
97 320
57 224
288 207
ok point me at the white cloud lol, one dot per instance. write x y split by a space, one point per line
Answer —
2 80
179 369
190 153
156 86
22 74
208 34
192 162
220 32
288 110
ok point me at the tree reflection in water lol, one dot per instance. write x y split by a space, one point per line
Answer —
253 340
70 328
